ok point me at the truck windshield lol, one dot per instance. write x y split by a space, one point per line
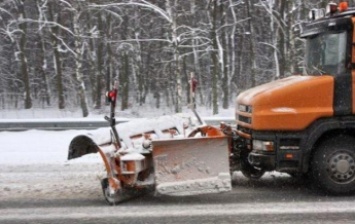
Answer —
326 54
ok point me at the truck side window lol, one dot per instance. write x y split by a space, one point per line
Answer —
326 54
335 52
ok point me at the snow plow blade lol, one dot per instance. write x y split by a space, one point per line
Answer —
191 166
81 145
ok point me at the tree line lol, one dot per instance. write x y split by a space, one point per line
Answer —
67 53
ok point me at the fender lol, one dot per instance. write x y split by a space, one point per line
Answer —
82 145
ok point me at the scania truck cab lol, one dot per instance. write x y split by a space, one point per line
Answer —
305 124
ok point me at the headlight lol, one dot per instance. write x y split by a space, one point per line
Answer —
266 146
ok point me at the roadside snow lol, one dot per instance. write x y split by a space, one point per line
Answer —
33 166
39 147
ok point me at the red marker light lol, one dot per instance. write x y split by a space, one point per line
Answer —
289 156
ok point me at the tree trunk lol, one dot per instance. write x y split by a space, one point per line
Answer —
232 58
282 36
250 13
214 56
177 71
224 43
291 40
186 77
109 66
100 62
274 30
56 54
43 61
93 59
22 55
196 59
79 77
124 80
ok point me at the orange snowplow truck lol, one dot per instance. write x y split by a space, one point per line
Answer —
305 124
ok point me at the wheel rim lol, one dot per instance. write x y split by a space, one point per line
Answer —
112 197
341 167
252 172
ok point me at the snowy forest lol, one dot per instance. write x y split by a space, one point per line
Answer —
67 53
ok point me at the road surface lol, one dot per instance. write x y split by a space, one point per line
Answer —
71 193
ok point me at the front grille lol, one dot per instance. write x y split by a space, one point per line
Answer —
245 119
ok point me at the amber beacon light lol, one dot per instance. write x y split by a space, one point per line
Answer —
343 6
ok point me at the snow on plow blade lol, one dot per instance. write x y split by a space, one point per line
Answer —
191 166
81 145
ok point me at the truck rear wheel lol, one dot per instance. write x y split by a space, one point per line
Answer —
333 165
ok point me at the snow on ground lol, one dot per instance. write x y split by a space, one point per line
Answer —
39 147
33 165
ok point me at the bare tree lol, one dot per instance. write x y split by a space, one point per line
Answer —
79 55
250 13
44 85
55 17
214 55
21 41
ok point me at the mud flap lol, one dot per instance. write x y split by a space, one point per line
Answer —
81 145
191 166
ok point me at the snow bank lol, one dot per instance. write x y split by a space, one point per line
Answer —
39 147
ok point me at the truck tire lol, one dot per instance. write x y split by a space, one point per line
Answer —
248 170
251 172
333 166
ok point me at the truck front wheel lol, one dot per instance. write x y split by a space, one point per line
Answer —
333 165
248 170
